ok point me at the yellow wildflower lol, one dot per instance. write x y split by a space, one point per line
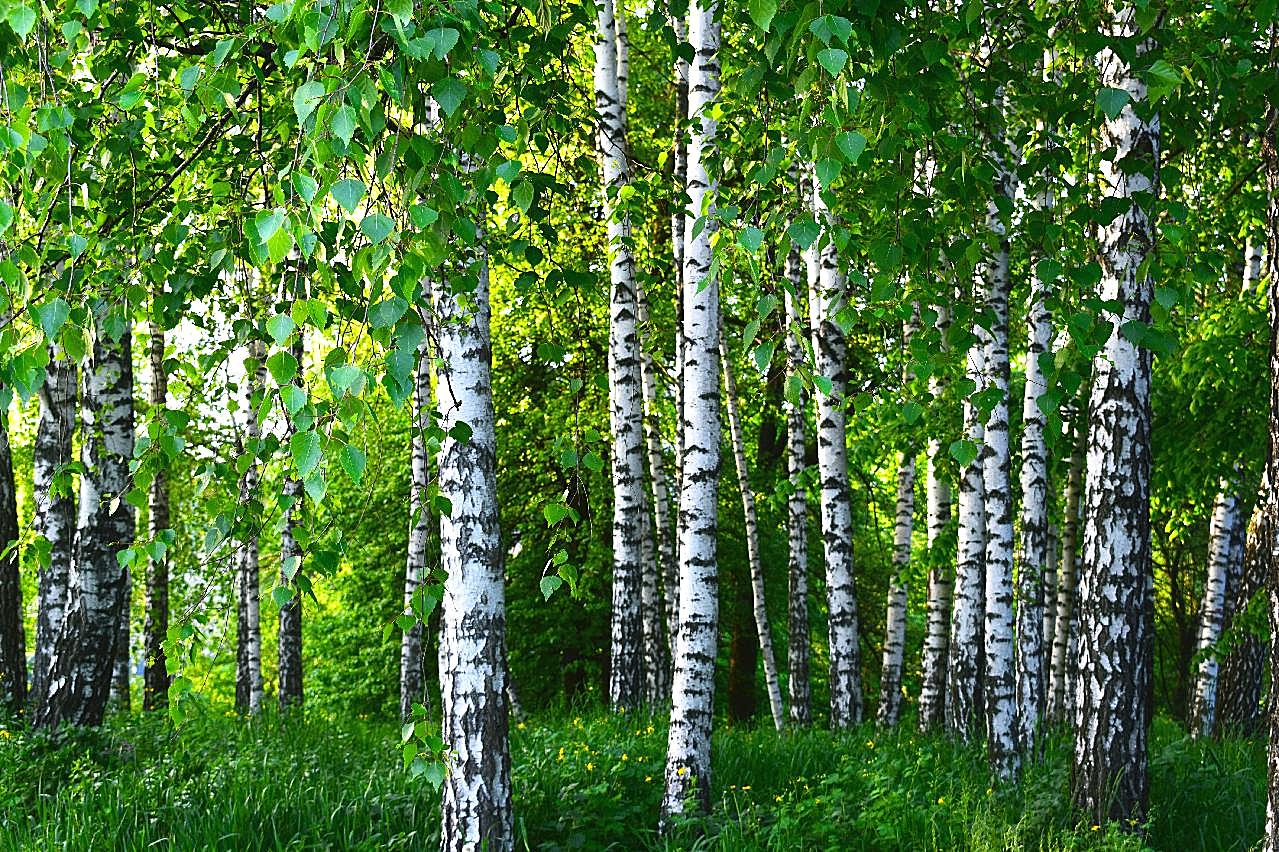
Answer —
648 778
590 767
941 800
680 772
520 726
624 756
746 786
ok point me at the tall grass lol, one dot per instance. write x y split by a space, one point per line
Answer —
591 782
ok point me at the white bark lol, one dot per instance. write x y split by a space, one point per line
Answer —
762 630
825 299
1110 779
473 662
688 756
626 417
415 569
248 678
1224 528
1065 626
941 582
890 695
1033 561
798 688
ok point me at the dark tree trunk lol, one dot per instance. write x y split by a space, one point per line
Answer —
13 646
290 637
155 674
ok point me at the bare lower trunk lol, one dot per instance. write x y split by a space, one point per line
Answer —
1223 529
890 692
13 644
84 651
155 673
688 754
55 511
1110 778
291 576
762 629
1239 706
799 692
941 581
1064 661
1270 162
415 570
658 626
248 577
473 663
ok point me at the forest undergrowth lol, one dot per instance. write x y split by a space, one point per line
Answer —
588 781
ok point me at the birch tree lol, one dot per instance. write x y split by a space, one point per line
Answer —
764 633
473 663
1110 778
688 753
941 583
55 510
13 651
799 693
890 693
155 672
1270 166
415 569
289 645
84 652
1222 554
248 577
1061 706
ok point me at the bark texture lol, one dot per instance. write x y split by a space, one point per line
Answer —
84 651
1223 553
155 671
248 577
291 575
473 662
1065 627
13 640
415 570
1240 709
941 581
890 691
1110 777
799 691
1270 164
55 511
688 755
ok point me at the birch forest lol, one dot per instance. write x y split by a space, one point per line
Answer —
639 424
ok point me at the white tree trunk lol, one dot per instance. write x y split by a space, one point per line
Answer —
155 675
688 755
1033 563
626 669
762 630
289 644
55 510
826 297
1110 779
248 672
1223 530
964 707
415 569
473 662
941 582
679 232
799 691
1065 630
890 694
84 652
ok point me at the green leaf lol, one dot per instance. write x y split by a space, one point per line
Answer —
283 367
76 244
522 195
51 316
423 216
449 94
305 186
306 99
267 222
353 462
445 39
764 355
851 144
833 60
316 487
401 10
387 312
549 584
305 448
964 452
554 513
282 595
376 227
280 327
751 239
804 232
343 378
762 12
22 19
293 397
347 193
828 171
1112 101
343 124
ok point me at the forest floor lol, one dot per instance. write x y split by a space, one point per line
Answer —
591 782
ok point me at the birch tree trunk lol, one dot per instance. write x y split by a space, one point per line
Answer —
659 628
941 583
965 711
1222 529
1110 778
799 692
1270 164
890 693
626 668
248 577
1064 661
1239 705
473 663
13 640
688 755
415 570
84 651
155 672
762 630
55 511
1034 564
119 699
290 625
679 232
825 298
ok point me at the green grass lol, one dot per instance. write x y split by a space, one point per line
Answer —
587 783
